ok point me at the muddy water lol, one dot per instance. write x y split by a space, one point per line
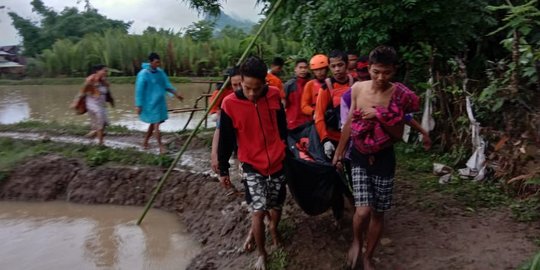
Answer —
62 236
51 102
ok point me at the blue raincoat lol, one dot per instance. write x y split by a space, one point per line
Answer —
150 89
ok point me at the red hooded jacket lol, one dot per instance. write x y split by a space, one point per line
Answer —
259 129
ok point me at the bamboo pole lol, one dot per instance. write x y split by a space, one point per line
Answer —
186 143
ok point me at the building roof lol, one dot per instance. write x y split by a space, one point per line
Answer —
9 64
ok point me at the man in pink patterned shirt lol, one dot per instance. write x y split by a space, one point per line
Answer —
375 122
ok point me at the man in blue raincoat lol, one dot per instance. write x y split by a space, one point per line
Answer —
150 89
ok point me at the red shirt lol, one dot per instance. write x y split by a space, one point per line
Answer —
256 127
294 89
227 91
275 81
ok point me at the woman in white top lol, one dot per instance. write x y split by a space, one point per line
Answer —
97 94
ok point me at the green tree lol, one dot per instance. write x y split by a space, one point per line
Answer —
69 24
232 32
201 30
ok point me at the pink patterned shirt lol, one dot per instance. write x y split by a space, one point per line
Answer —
368 135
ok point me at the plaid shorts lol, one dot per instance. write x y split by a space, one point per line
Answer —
373 183
264 192
371 190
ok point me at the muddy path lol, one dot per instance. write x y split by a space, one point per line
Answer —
196 158
414 237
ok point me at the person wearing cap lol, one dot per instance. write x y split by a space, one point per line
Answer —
319 67
327 108
294 89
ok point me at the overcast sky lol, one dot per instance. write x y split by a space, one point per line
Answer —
168 14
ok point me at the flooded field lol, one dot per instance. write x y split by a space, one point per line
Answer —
62 236
51 103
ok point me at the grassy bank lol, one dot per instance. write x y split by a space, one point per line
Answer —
415 169
15 151
55 128
113 80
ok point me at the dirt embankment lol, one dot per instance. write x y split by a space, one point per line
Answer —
414 238
217 221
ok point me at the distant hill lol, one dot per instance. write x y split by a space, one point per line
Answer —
223 20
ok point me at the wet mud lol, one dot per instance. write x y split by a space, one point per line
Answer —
413 238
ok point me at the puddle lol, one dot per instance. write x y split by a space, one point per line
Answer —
62 236
50 103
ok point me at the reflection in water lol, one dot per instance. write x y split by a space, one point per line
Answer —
59 235
13 107
51 103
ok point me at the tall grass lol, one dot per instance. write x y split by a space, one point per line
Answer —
180 55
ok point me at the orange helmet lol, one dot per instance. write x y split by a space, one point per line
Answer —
318 61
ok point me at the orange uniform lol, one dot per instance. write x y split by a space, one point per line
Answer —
227 91
309 96
273 80
325 98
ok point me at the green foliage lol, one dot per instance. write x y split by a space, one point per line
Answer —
58 129
532 264
3 176
527 209
278 260
287 229
70 24
200 31
14 151
414 165
113 80
510 92
211 7
232 32
180 56
97 156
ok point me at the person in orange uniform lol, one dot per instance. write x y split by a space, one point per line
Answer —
327 107
319 67
234 83
272 77
293 95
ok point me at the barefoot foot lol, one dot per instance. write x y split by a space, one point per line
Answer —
353 255
249 244
368 264
91 134
261 263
